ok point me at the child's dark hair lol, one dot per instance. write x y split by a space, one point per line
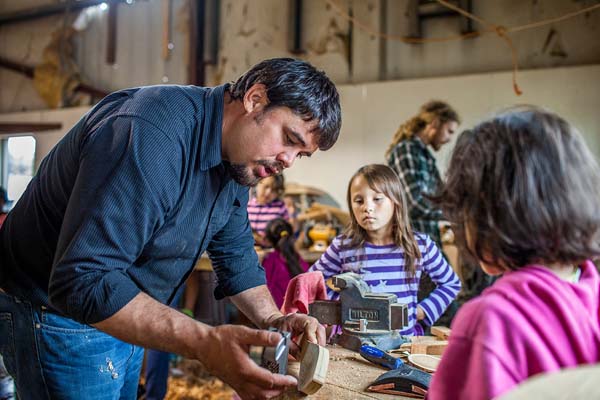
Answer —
383 179
280 234
278 184
527 188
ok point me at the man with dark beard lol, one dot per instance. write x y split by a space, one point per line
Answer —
113 222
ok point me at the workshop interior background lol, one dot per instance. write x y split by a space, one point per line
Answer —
57 58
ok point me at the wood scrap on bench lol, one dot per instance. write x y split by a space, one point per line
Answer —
425 362
435 348
442 332
424 345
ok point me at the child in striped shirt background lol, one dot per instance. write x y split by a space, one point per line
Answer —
380 245
266 206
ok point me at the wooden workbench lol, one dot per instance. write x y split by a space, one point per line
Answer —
347 378
348 375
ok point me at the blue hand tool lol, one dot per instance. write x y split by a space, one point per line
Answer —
379 357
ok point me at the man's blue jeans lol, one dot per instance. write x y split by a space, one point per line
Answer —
6 383
52 357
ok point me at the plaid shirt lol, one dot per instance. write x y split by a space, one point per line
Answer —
415 165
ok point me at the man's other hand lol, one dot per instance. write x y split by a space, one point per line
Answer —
224 352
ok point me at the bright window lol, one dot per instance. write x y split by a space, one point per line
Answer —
18 160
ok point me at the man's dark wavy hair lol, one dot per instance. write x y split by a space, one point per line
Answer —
528 189
296 84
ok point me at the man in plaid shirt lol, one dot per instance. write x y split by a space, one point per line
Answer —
419 175
409 156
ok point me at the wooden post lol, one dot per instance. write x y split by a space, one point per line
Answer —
111 42
196 74
166 36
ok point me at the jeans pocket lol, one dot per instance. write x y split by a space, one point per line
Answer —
57 323
7 341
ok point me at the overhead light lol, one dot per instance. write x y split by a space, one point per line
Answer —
103 6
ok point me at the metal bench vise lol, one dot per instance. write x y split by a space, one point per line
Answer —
365 317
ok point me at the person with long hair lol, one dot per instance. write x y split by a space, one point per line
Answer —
409 156
284 262
522 193
380 245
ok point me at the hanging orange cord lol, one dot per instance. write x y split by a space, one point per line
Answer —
501 31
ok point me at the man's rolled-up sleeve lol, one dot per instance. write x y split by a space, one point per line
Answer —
232 253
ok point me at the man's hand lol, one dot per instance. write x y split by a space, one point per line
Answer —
300 324
224 352
257 304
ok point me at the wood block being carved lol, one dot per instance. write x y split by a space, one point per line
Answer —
313 367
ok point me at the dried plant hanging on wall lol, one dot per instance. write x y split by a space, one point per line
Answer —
57 77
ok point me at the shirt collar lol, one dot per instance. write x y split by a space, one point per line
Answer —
210 145
419 142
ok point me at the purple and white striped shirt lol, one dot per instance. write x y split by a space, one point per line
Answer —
382 268
260 214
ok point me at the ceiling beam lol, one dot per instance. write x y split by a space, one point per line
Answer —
29 71
27 127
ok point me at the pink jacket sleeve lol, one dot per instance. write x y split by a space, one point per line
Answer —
472 366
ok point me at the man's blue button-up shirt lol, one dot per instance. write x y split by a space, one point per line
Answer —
126 202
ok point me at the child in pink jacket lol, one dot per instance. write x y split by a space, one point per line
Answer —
284 262
523 194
